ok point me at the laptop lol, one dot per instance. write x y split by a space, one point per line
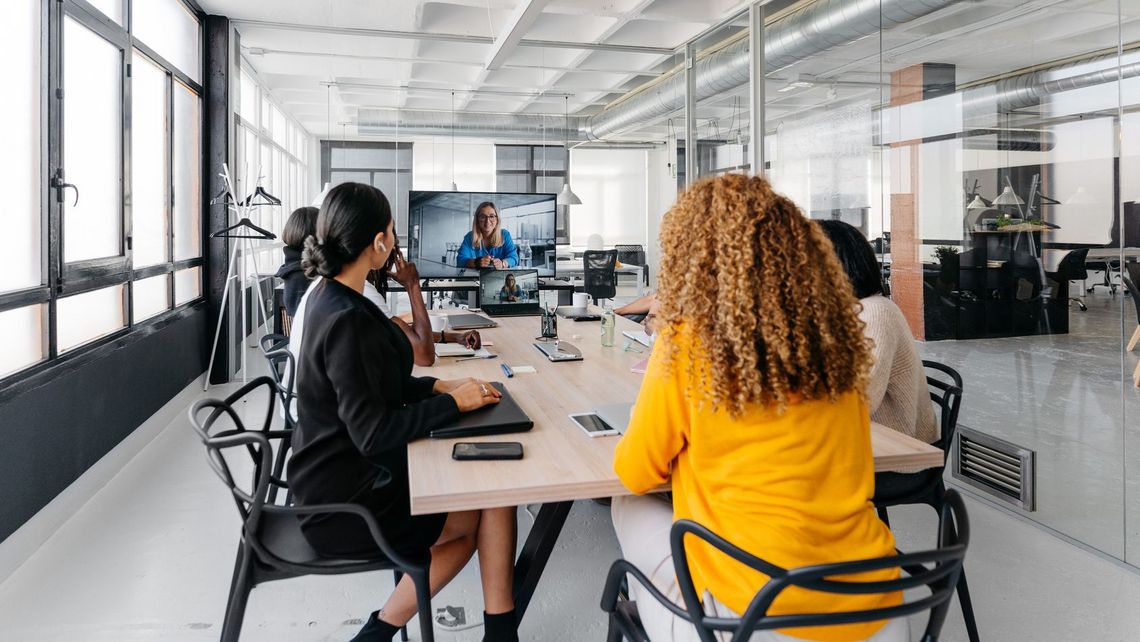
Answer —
509 293
502 418
616 415
469 322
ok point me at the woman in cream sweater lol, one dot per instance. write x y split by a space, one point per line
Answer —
897 390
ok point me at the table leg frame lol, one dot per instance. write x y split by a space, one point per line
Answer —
536 552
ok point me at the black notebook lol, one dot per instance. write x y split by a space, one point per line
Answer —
498 419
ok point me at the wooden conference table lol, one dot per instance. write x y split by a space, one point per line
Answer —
560 462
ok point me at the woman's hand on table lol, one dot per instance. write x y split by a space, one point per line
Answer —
444 386
474 394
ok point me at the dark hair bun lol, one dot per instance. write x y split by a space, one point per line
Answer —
320 260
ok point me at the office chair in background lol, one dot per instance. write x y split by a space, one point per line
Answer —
600 276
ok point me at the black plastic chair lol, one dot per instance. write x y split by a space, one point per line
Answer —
599 275
1130 286
272 546
940 577
926 486
634 255
272 342
1072 268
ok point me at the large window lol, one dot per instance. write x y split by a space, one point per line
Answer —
272 152
534 169
386 166
101 172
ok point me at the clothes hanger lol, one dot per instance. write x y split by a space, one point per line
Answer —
245 224
222 198
259 192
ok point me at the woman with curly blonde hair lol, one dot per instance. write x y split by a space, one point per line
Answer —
754 409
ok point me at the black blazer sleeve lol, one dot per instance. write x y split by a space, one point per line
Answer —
418 388
366 375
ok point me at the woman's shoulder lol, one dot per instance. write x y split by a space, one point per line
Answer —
878 308
506 235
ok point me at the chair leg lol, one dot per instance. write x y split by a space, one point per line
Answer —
1135 338
239 595
883 515
613 631
967 608
423 604
399 575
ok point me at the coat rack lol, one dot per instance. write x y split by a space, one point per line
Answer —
246 232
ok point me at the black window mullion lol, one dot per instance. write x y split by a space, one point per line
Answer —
169 213
52 204
24 298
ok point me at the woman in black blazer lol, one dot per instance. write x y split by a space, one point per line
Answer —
359 406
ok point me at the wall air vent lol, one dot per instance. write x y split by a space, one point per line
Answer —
995 466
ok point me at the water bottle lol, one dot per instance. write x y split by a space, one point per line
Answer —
608 324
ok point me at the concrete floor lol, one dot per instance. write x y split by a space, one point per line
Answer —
149 557
1068 397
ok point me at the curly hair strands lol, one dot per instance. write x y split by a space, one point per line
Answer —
770 310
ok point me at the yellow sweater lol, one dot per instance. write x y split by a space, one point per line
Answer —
793 489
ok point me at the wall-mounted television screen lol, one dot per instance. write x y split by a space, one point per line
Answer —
457 234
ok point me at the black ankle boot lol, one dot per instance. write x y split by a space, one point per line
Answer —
376 630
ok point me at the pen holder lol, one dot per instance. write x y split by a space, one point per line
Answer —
549 329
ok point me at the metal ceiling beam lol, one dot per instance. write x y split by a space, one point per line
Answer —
447 37
262 51
521 20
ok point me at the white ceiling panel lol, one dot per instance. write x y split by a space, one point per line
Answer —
436 73
705 11
570 28
655 33
446 17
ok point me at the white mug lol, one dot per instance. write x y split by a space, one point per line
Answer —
581 300
438 322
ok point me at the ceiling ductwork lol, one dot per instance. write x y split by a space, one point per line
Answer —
816 28
529 127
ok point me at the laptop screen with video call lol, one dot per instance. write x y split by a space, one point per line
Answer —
508 287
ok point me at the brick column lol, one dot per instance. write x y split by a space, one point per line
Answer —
908 85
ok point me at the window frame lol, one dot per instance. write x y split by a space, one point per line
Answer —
57 278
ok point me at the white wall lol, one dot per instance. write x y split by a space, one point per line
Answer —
661 191
612 186
474 165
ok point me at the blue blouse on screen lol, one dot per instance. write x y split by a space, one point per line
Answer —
505 252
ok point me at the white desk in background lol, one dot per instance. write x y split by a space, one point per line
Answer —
575 268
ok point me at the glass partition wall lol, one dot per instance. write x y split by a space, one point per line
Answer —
988 150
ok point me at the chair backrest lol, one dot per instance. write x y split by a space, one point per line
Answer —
946 392
940 577
599 277
1130 281
633 254
283 369
272 342
220 427
1072 267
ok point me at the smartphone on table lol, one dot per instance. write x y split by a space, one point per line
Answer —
486 450
593 425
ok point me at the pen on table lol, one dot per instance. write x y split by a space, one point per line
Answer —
507 370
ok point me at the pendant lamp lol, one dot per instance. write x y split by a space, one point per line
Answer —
1007 197
567 195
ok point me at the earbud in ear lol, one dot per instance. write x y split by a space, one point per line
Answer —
383 248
